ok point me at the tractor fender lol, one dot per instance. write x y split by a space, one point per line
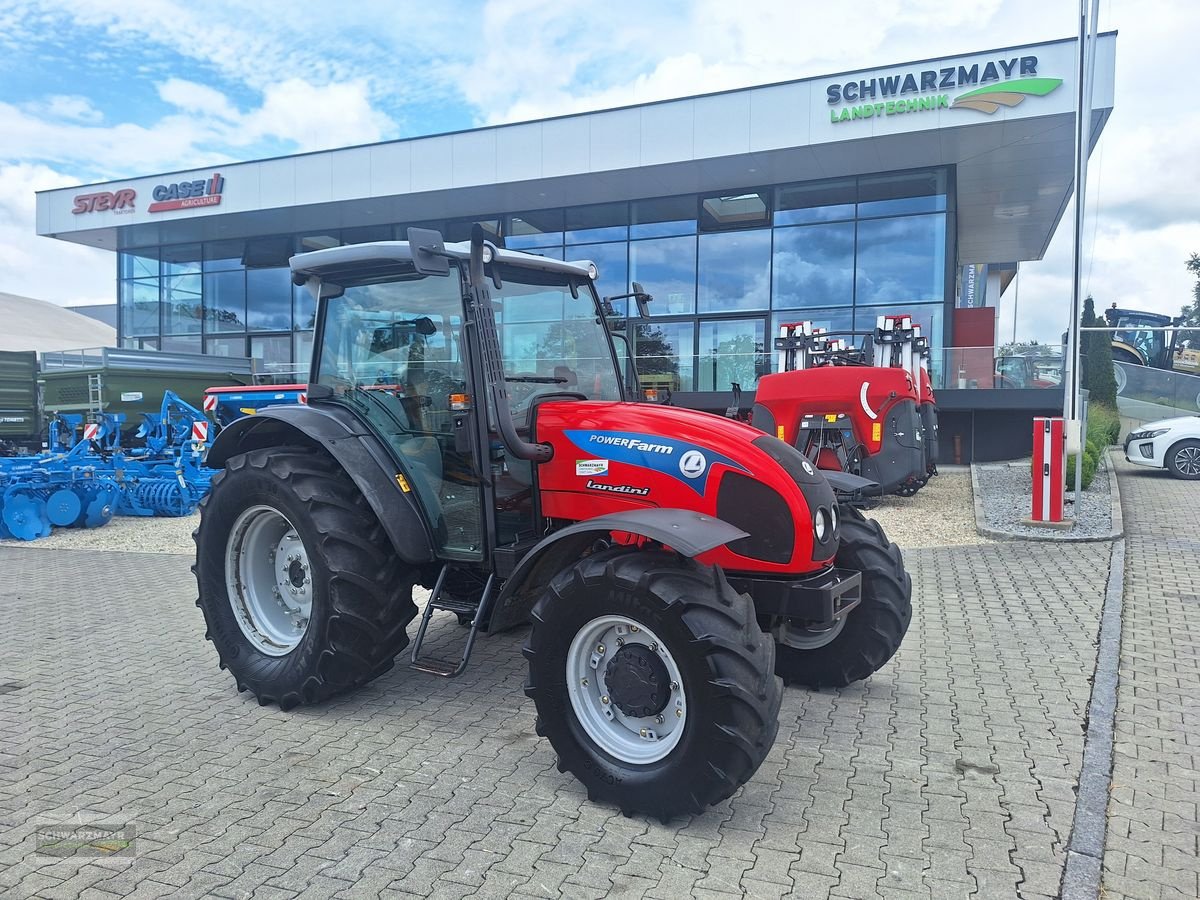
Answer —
355 448
688 533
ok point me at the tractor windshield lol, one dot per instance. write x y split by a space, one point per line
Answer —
551 340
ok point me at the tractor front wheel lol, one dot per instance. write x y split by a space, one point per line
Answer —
652 681
860 643
300 588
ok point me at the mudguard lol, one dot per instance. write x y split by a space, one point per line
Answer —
689 533
356 449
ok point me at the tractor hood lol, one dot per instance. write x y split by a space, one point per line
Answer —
610 457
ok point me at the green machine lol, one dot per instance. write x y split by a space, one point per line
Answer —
20 413
115 380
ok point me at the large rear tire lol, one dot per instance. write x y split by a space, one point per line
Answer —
677 703
301 590
870 634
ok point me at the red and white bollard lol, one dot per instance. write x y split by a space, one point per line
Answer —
1049 469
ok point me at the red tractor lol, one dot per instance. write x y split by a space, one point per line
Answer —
873 418
467 431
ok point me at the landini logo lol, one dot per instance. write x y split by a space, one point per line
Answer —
886 96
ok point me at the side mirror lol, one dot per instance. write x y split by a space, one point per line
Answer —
428 251
642 299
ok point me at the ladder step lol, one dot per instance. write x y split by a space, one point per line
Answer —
477 611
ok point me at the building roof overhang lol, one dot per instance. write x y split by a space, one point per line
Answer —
1013 165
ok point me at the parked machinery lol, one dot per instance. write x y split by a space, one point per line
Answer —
467 430
87 477
870 412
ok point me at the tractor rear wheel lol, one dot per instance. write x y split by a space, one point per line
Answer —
300 588
860 643
652 681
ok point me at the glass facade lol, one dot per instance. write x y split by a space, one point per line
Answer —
724 269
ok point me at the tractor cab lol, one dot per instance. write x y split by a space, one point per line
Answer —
1139 337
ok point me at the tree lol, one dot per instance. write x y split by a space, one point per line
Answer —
1097 360
1191 313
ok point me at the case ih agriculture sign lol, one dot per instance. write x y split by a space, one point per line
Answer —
188 194
180 195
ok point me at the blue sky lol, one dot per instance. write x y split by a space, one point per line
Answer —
95 90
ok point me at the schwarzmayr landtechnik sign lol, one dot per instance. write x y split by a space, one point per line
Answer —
1003 82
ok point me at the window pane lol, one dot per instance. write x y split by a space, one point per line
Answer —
181 344
181 260
735 271
610 260
664 217
367 234
320 241
666 268
823 201
733 351
814 266
605 222
733 211
225 301
139 263
302 344
832 320
271 352
890 195
901 260
271 252
139 307
304 308
664 355
226 345
534 229
182 310
220 255
269 299
460 230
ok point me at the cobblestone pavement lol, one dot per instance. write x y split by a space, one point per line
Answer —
1152 848
948 774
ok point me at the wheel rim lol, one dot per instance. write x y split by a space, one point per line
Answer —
1187 460
631 738
269 580
802 638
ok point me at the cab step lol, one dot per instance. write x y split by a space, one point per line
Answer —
478 612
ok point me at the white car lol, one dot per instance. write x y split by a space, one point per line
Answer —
1171 444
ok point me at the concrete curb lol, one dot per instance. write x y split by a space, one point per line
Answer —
1116 531
1083 874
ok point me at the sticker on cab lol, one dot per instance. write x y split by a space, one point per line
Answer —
591 467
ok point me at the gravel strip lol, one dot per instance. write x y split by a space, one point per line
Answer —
1006 490
941 514
133 534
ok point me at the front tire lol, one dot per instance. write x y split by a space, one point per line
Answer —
870 634
301 591
678 704
1183 460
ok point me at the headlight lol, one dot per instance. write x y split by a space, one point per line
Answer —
821 525
593 272
1147 435
487 254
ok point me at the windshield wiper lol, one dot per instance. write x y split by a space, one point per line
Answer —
537 379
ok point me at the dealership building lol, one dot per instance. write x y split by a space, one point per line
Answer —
917 187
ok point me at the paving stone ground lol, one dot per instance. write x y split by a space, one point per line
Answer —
949 774
1153 842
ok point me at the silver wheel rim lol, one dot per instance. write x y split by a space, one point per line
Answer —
1187 460
639 741
802 638
269 580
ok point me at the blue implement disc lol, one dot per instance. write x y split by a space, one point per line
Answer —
63 507
25 516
